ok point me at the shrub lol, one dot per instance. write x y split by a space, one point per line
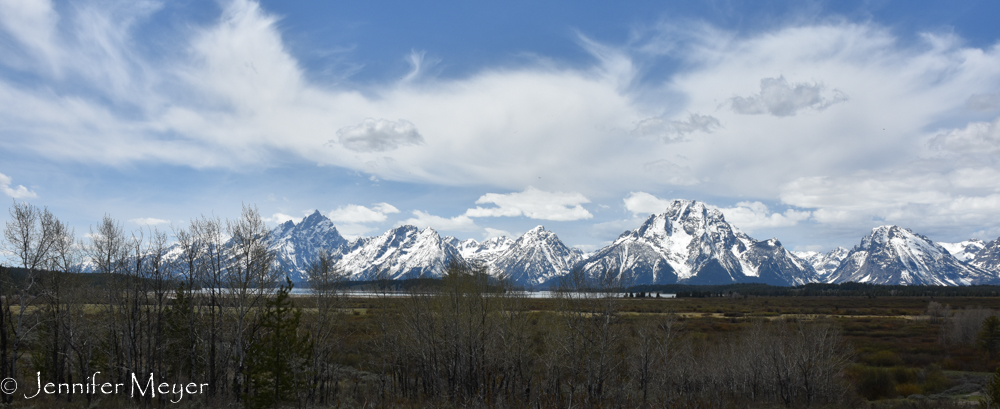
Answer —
875 383
907 389
883 358
934 379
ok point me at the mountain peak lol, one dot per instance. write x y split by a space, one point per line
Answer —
316 215
535 257
897 255
535 231
693 210
298 244
691 242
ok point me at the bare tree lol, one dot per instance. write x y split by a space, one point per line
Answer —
155 279
326 282
65 259
30 237
589 306
249 279
215 258
108 252
652 355
191 272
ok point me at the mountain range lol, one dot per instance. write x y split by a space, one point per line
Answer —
689 243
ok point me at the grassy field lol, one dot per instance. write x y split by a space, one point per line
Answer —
899 359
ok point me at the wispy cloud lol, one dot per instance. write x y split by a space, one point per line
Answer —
763 115
149 221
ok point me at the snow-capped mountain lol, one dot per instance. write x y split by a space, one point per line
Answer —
297 245
895 255
989 257
403 252
692 243
824 264
486 252
964 250
536 257
689 243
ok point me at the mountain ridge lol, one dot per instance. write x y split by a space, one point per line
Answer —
689 243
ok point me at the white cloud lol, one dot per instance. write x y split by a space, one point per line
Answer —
457 223
354 220
750 216
491 233
360 214
379 135
20 192
280 218
352 231
533 203
917 197
676 131
779 98
230 94
977 138
745 215
643 204
149 221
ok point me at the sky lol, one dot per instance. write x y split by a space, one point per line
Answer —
808 121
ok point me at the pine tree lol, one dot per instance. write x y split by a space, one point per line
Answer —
278 361
991 398
989 336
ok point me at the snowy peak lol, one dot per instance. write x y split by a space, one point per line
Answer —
824 264
536 257
989 257
297 245
691 242
403 252
693 213
485 252
895 255
964 250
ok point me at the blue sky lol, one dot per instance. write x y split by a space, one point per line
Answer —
811 122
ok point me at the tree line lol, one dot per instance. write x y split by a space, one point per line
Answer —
213 306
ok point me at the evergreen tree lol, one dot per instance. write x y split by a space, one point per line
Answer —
989 336
991 396
177 336
278 361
